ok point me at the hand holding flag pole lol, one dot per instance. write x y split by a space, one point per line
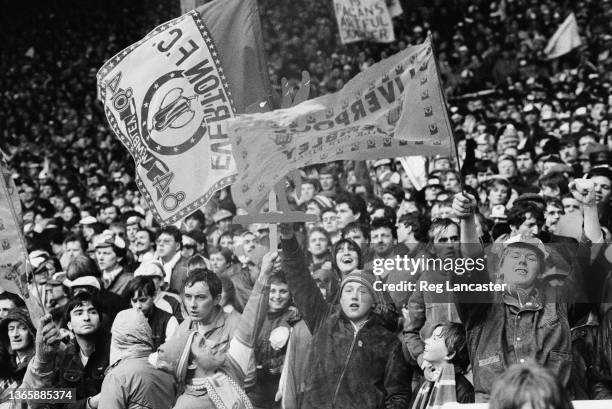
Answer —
285 215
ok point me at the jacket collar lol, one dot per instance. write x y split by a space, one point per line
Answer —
523 300
217 322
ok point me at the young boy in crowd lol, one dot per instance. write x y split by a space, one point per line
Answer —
446 360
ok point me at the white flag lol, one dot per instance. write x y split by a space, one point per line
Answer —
364 20
395 108
565 39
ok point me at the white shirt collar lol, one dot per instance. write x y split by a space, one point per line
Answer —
170 265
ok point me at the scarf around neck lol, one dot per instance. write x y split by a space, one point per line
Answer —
439 388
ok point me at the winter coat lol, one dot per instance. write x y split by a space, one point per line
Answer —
119 283
132 383
179 275
270 360
347 367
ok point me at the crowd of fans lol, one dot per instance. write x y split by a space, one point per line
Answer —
205 314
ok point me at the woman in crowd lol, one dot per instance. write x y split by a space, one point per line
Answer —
271 344
346 257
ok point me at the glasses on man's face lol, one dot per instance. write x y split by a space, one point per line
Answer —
189 246
330 219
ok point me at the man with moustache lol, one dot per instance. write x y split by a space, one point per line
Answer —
383 240
144 245
552 214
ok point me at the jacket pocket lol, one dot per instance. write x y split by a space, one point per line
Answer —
488 368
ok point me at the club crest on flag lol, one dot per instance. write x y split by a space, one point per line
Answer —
169 128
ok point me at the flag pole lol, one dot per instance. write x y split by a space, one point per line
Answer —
451 131
14 214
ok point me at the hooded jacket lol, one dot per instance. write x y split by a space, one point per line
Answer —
347 367
132 382
16 371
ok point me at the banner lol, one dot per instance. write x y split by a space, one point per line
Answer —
167 95
565 39
395 108
13 254
364 20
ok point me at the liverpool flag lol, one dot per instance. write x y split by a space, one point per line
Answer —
395 108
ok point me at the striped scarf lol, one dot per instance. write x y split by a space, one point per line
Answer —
435 393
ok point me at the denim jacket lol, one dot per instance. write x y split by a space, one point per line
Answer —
501 334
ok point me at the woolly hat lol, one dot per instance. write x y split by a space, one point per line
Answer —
323 201
20 315
396 191
362 277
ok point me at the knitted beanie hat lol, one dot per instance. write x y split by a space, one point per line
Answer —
362 277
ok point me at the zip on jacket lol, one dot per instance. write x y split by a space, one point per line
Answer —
346 362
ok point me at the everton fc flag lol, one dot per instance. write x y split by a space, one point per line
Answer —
167 95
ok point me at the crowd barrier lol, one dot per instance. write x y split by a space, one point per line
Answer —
578 404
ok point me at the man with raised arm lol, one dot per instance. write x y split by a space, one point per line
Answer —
529 320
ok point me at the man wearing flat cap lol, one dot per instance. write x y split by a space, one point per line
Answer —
223 221
110 254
